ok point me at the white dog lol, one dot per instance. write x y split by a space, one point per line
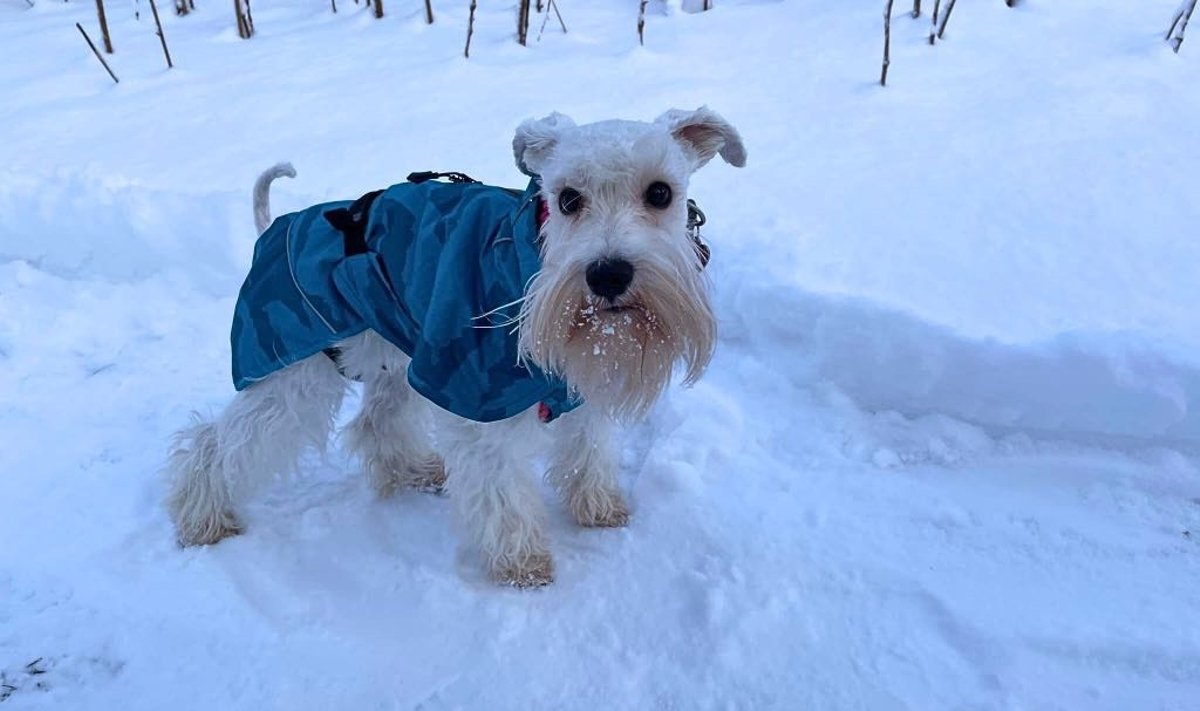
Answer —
616 299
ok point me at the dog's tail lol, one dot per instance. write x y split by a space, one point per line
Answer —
262 193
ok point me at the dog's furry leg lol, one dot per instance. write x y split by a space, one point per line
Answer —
496 498
259 435
390 433
262 193
583 468
199 500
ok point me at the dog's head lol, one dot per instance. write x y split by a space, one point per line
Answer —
621 296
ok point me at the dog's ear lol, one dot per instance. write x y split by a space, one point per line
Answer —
703 134
535 140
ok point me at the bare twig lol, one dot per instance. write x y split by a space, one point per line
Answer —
429 12
887 42
523 22
30 2
162 38
1179 24
937 5
641 22
916 9
97 53
245 28
378 9
945 18
181 7
104 27
249 16
470 31
553 4
333 4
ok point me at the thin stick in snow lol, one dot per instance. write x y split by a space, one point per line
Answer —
97 53
30 2
641 22
554 6
429 12
551 5
887 42
378 9
1179 24
333 4
523 22
245 29
161 37
104 27
470 31
937 5
945 18
916 9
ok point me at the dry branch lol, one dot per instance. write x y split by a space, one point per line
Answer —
916 9
641 22
429 12
1179 24
97 53
241 10
937 6
470 31
104 27
945 18
378 9
161 37
887 42
523 22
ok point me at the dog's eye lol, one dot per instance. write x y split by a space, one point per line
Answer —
658 195
569 201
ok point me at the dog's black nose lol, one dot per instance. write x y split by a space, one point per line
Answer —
609 278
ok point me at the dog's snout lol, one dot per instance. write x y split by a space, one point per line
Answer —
609 278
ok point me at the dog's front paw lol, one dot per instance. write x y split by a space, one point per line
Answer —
533 571
598 507
427 475
219 526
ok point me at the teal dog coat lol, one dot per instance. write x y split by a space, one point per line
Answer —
421 264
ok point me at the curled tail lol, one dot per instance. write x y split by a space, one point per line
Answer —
262 193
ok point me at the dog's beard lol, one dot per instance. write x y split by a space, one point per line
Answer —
620 356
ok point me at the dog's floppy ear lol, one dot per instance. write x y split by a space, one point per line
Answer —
535 140
704 134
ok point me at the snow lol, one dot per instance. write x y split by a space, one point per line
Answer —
948 454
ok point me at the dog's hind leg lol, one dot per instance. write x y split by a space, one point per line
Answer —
583 468
390 433
261 434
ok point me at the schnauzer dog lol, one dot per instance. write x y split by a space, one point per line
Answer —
500 308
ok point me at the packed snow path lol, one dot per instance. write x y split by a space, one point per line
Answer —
948 455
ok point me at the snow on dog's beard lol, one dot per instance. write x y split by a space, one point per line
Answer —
617 195
620 358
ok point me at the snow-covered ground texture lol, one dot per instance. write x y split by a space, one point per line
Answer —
947 457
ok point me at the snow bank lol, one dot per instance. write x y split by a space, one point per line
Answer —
1078 385
78 224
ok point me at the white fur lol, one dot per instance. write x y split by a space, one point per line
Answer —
619 355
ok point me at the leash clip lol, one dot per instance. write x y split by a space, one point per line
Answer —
695 220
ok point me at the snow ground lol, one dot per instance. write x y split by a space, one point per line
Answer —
948 455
